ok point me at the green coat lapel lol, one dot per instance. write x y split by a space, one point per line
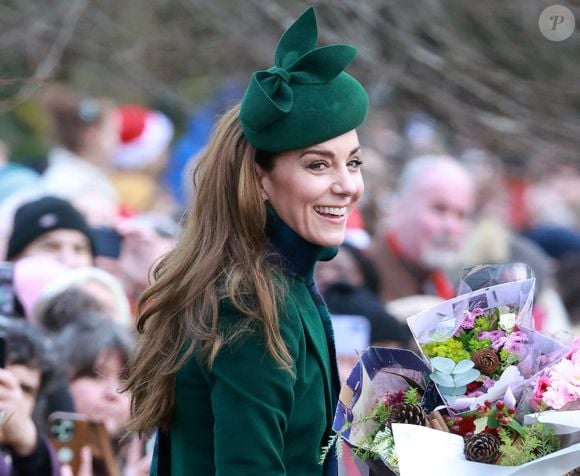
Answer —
316 338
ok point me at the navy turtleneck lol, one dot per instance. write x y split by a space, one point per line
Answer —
297 255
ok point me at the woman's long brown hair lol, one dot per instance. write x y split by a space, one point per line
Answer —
221 253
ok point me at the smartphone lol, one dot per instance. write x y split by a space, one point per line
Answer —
69 432
7 299
107 242
2 351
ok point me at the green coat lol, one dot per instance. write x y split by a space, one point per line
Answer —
248 416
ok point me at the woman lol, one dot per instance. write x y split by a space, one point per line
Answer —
96 351
236 365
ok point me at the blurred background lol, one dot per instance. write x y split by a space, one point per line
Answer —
471 153
470 73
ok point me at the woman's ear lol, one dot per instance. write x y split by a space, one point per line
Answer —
261 178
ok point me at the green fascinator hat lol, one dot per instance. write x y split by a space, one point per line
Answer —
306 98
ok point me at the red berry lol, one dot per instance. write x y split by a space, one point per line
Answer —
500 405
512 411
505 420
487 403
455 429
458 419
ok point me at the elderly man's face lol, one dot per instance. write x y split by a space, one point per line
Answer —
434 218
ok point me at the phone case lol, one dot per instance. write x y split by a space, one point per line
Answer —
69 432
6 289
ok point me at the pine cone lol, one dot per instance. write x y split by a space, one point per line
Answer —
482 448
407 413
486 361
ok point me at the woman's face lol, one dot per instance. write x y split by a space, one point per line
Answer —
313 190
98 396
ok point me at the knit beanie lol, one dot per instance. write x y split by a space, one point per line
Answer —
41 216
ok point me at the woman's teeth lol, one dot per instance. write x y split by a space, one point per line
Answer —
335 211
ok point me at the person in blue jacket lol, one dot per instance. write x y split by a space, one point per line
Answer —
236 368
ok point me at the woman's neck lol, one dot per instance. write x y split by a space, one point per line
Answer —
297 255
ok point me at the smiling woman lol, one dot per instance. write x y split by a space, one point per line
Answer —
315 189
236 366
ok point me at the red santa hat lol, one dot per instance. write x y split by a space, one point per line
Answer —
144 134
356 234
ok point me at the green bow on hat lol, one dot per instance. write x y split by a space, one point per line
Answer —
306 98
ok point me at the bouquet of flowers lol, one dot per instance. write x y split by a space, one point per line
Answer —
465 403
482 345
385 387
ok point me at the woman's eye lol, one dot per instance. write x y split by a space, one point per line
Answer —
317 165
355 163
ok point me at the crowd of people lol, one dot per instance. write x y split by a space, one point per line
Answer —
79 239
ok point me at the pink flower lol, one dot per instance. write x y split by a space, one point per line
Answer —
468 320
559 394
574 355
497 338
488 382
542 384
478 311
564 384
477 393
516 343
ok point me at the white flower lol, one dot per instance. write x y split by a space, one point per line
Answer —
507 321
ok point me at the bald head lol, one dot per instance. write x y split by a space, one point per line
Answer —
432 209
431 169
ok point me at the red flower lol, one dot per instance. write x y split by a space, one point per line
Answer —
472 387
463 426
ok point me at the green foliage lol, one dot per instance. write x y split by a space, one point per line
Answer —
506 358
514 455
536 441
474 345
380 414
331 442
412 397
548 440
464 337
451 348
384 446
482 323
365 450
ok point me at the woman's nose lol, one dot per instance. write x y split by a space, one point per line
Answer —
345 183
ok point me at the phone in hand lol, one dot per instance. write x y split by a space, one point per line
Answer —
7 298
2 351
69 432
107 242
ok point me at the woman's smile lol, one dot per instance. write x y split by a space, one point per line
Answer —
314 190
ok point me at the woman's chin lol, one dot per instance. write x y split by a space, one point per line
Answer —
330 240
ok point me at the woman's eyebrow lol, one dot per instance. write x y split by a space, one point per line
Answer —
328 153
